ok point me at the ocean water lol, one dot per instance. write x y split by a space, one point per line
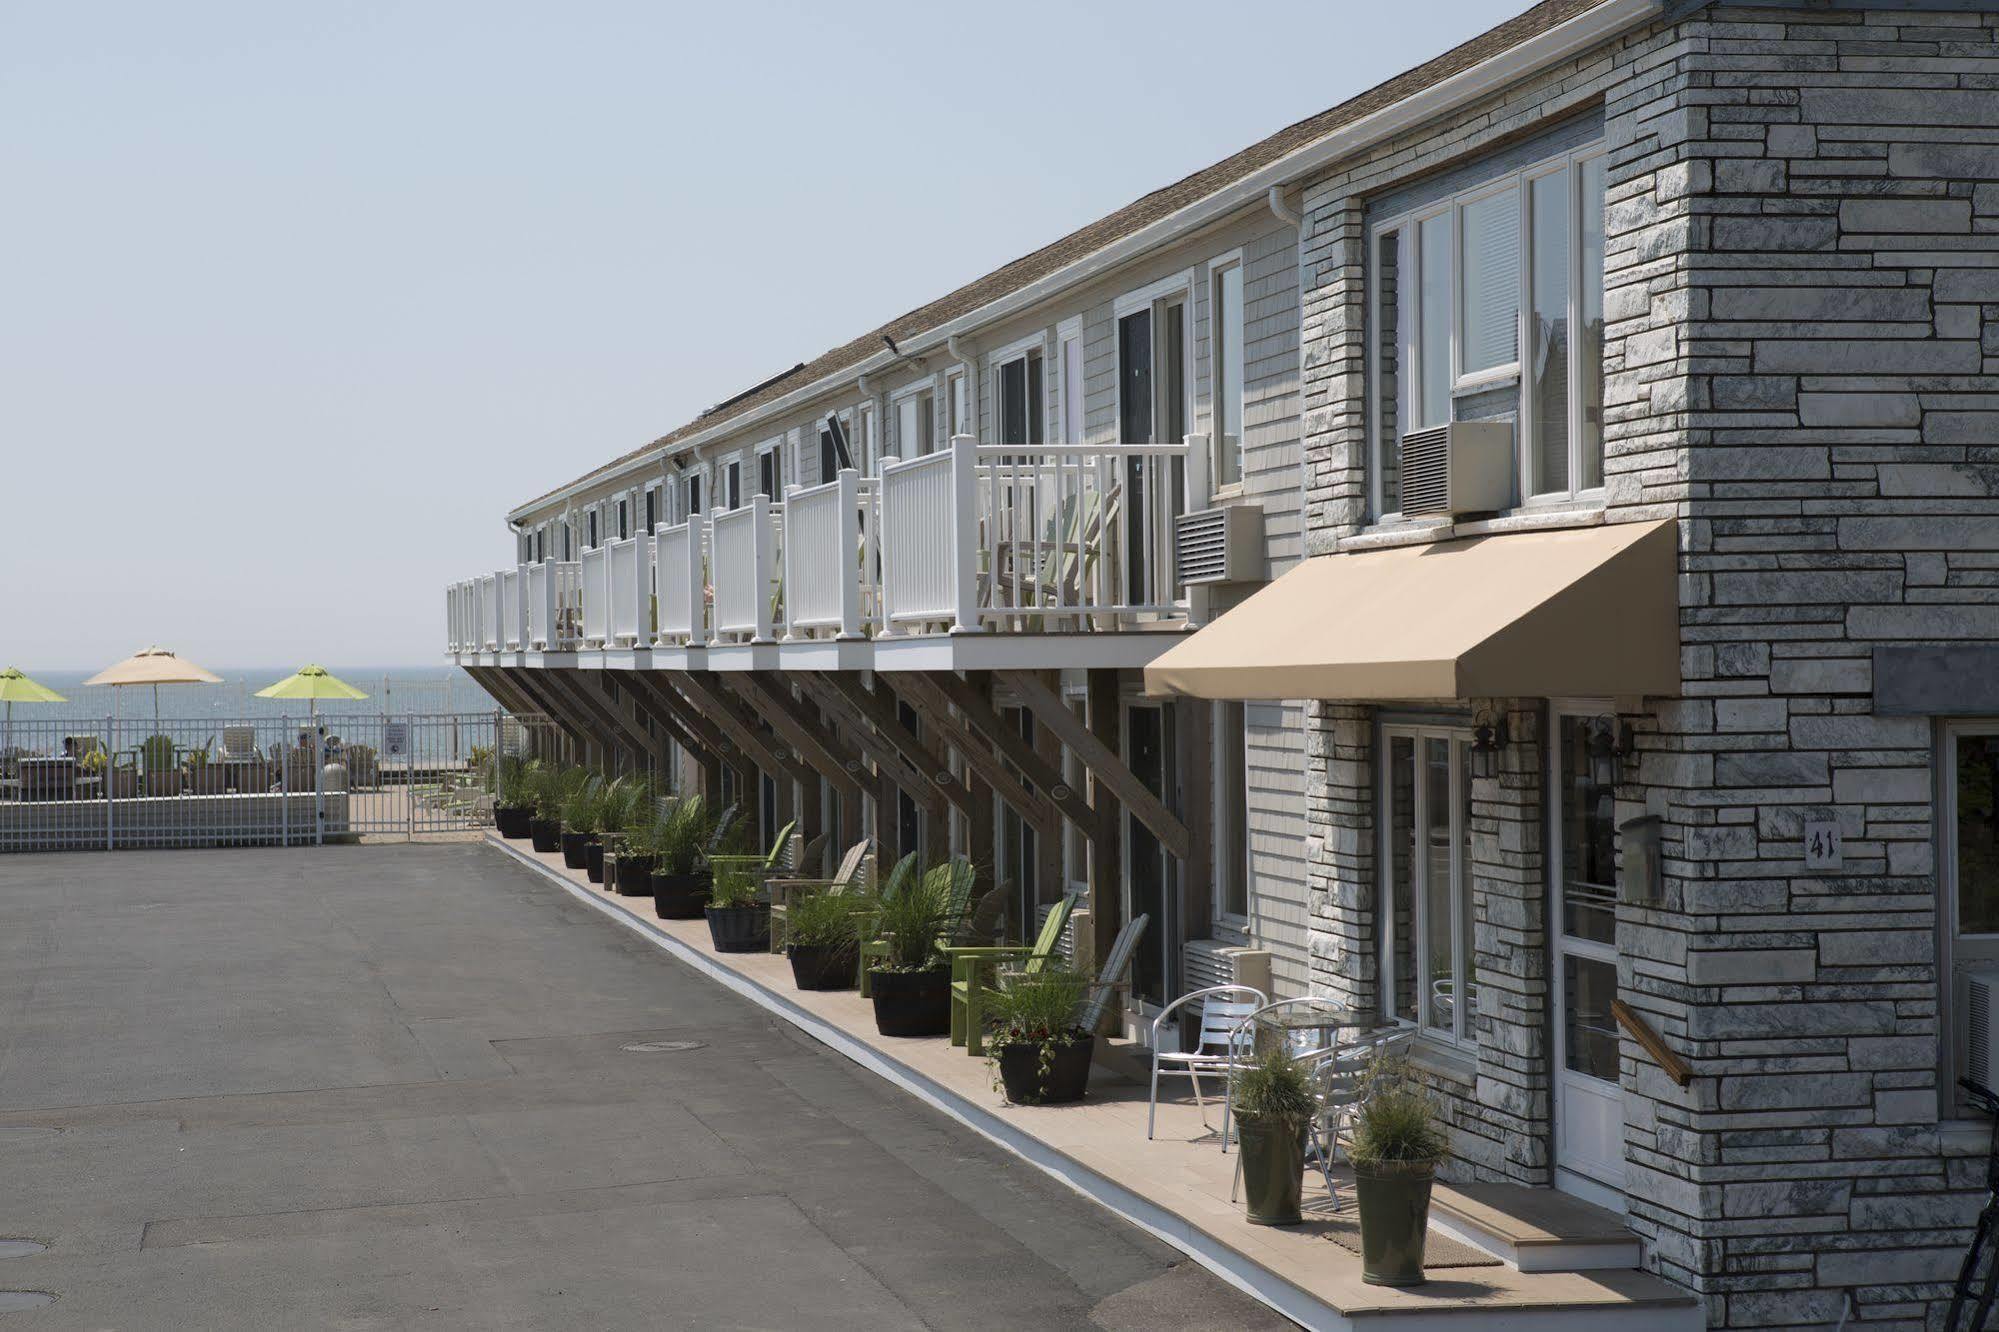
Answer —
393 690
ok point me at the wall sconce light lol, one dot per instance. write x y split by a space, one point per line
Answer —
1488 737
1609 742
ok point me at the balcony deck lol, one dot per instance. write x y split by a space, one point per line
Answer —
974 558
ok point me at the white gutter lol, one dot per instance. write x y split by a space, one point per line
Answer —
1558 43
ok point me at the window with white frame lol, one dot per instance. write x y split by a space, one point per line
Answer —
1428 972
1488 305
541 543
916 423
732 483
624 519
1225 343
652 508
769 473
590 537
1018 395
691 488
959 418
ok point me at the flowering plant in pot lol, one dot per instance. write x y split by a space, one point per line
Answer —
1397 1143
1273 1104
582 792
1038 1053
680 881
909 981
738 921
822 937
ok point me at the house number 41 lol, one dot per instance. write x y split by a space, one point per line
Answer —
1822 851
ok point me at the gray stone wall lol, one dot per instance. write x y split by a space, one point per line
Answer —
1802 248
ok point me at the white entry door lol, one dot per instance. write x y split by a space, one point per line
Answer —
1589 1103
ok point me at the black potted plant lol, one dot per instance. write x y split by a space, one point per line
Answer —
822 934
1039 1054
546 791
738 920
1273 1105
580 797
910 983
636 858
513 801
1396 1146
626 802
680 881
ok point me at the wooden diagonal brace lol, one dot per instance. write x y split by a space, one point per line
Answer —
579 721
645 696
1103 763
720 698
804 733
720 732
589 691
915 776
923 695
972 704
697 697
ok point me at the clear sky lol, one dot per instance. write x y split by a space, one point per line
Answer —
296 300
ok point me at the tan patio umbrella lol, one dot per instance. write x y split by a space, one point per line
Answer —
153 666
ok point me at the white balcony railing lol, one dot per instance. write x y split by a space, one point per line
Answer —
1004 538
596 596
683 582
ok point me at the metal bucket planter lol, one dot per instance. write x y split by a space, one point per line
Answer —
680 896
546 834
1394 1202
593 860
822 966
739 929
911 1003
575 849
1273 1170
1065 1079
635 874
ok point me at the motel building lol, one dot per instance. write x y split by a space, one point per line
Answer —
1516 553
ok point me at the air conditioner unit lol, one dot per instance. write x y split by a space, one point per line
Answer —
1981 1025
1206 962
1220 545
1463 467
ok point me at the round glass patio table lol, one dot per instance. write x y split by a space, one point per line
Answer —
1305 1025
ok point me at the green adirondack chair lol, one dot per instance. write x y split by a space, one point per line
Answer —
974 971
961 878
761 864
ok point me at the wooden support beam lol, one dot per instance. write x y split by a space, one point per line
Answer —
1197 868
895 751
1103 763
976 707
590 694
812 740
1106 723
648 699
577 720
698 698
935 708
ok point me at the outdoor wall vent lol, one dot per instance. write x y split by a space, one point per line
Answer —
1223 545
1463 467
1981 1025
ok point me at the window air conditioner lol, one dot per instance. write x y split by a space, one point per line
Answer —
1463 467
1219 545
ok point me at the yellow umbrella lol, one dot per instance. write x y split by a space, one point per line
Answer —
153 666
312 683
18 688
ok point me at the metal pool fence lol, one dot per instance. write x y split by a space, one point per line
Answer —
286 781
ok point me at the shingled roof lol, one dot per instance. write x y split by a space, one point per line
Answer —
1133 217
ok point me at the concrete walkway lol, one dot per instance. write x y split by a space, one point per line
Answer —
396 1087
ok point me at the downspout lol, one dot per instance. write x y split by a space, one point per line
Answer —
1295 219
951 344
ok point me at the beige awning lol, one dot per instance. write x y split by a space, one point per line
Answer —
1581 612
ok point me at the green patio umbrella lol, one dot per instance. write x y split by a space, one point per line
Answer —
312 683
18 688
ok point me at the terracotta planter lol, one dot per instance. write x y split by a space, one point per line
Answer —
1066 1079
680 896
823 966
911 1003
1394 1202
739 929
